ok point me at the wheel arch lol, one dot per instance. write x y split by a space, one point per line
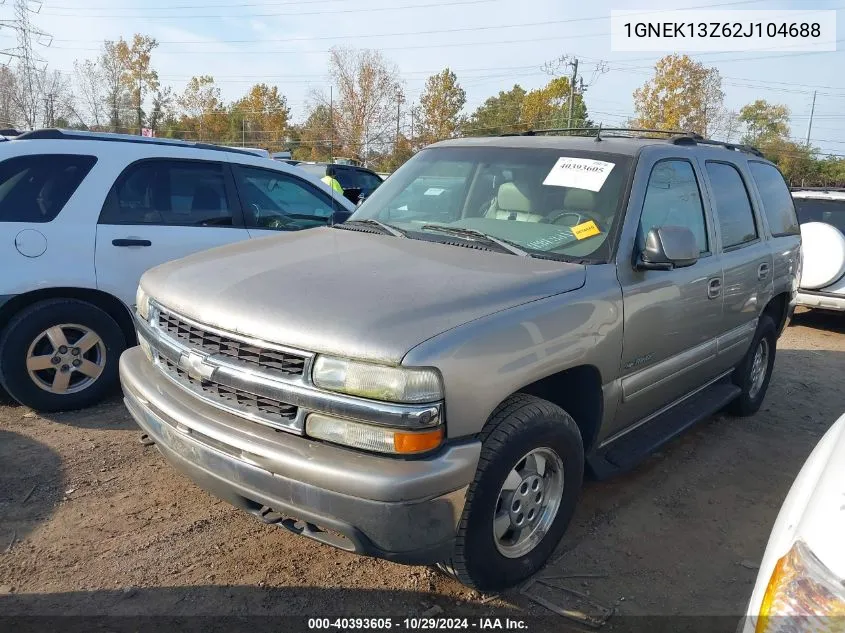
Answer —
778 310
108 303
578 391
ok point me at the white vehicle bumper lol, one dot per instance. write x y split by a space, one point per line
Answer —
816 299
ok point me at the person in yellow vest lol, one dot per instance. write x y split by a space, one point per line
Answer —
330 179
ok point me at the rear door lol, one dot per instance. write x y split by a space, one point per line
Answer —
159 210
746 257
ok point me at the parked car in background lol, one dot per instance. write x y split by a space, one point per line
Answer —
358 183
83 215
521 307
801 582
822 215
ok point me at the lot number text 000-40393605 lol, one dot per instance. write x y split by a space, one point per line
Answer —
677 31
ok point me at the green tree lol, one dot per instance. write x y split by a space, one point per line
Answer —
440 107
548 107
204 116
682 95
498 115
316 136
112 70
264 115
764 122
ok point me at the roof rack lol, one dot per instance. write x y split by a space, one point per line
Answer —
835 189
80 135
614 132
699 140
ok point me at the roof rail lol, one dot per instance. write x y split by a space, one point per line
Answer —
837 189
699 140
79 135
600 131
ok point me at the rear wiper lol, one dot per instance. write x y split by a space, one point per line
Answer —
476 235
385 228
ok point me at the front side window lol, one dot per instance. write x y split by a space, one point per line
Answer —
543 200
274 200
733 205
170 192
35 188
673 198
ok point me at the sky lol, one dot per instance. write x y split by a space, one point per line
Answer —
490 44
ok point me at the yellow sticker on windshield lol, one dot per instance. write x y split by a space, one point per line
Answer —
585 230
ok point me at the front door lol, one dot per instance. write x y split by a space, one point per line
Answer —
160 210
671 318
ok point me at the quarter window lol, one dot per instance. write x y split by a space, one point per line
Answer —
35 188
777 201
168 192
733 205
673 198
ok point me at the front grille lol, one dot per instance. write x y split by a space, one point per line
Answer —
271 410
213 343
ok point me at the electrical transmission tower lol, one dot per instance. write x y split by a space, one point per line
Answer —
30 65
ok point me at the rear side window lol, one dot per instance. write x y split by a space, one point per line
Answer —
673 199
733 205
170 192
35 188
777 201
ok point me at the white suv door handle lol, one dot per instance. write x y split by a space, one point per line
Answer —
763 272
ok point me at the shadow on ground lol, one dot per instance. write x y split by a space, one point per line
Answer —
30 486
820 320
110 415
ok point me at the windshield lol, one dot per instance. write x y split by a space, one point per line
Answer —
546 201
829 211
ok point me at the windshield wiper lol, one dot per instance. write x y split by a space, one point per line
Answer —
476 235
385 228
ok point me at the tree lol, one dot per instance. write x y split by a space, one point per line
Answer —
162 109
440 107
90 84
137 76
112 71
8 107
498 115
367 89
797 162
682 95
203 110
315 136
764 122
548 107
264 114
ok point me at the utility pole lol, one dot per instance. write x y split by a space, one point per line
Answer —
412 123
574 64
398 117
331 123
243 132
810 124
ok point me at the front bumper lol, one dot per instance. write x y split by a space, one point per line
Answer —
402 510
822 300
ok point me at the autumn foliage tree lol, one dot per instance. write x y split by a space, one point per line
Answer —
440 108
265 116
682 95
764 122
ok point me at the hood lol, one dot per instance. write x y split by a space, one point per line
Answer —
354 294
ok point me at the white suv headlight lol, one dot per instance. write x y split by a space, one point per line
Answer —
378 382
142 303
803 595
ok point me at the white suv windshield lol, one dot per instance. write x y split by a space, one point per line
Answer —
545 201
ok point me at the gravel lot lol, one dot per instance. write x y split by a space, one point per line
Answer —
100 524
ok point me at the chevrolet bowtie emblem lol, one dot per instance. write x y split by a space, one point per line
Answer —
196 367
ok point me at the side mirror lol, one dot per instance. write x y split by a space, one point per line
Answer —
668 247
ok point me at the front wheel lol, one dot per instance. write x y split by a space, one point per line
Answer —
60 354
524 493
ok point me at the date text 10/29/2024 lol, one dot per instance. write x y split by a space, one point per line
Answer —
417 624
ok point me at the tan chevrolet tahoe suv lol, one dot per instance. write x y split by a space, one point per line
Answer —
430 381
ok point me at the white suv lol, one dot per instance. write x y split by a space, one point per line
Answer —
821 213
83 215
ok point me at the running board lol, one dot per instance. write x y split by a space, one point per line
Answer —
630 449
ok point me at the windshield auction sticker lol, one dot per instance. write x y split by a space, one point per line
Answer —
579 173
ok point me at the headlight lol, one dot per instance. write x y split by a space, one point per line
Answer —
142 303
372 438
802 595
378 382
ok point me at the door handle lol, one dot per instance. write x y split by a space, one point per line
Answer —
763 272
714 288
131 242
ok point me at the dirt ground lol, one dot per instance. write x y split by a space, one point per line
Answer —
92 522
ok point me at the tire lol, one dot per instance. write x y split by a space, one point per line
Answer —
749 401
45 389
518 426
